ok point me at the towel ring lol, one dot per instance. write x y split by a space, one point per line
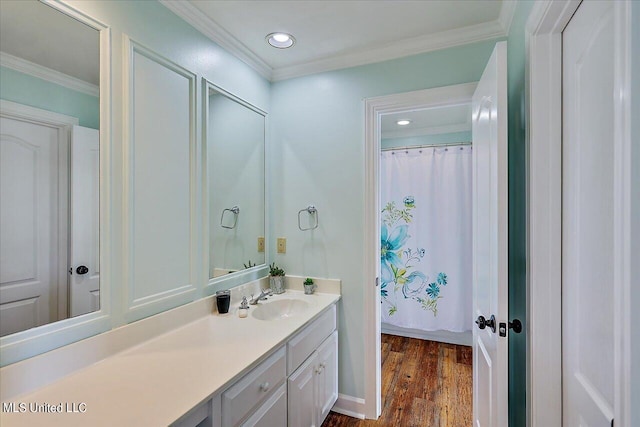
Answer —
311 210
235 210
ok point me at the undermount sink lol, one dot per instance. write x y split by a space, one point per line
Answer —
279 309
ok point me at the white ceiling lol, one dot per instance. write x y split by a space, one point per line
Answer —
339 34
41 35
431 121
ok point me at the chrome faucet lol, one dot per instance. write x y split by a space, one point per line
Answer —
264 293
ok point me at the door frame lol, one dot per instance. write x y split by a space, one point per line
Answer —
374 109
63 125
543 43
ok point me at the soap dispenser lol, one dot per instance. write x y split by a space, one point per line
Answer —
244 308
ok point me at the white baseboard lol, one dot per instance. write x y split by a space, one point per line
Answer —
458 338
350 406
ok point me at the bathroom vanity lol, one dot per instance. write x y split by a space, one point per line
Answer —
276 367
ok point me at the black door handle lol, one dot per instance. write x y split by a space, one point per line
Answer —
516 325
82 270
483 323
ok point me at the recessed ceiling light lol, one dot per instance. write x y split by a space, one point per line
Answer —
281 40
403 122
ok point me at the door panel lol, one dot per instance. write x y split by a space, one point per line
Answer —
29 221
85 220
587 216
490 296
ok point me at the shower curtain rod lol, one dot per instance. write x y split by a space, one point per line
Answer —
412 147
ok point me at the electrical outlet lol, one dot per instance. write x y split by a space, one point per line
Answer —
282 245
260 244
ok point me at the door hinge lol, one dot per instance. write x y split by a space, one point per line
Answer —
377 282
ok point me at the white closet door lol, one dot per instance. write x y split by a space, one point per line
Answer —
28 221
587 217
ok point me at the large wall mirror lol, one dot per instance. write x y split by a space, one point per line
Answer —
235 138
50 166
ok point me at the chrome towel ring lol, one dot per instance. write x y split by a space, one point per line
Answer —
311 210
236 211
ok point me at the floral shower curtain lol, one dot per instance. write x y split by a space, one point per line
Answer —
426 238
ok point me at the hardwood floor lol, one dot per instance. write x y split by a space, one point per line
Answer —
424 383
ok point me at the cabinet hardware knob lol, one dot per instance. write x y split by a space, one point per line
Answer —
264 386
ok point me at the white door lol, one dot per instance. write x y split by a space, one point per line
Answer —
85 220
29 224
587 216
490 351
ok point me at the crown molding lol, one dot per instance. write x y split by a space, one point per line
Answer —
219 35
497 28
429 130
44 73
400 49
507 10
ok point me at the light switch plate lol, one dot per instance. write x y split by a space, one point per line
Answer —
282 245
260 244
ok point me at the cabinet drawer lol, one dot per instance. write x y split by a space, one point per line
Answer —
272 413
302 345
253 388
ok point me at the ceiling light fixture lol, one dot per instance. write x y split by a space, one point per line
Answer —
403 122
281 40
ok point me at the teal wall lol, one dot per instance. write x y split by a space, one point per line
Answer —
517 212
317 157
28 90
410 141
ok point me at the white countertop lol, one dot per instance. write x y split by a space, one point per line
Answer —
158 381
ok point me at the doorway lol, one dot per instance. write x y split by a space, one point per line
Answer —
376 108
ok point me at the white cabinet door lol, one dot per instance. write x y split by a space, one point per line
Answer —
490 292
588 216
301 395
327 376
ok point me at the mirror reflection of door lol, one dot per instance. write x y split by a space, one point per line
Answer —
49 166
31 198
84 296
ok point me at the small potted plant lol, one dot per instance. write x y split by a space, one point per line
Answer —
276 278
309 286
